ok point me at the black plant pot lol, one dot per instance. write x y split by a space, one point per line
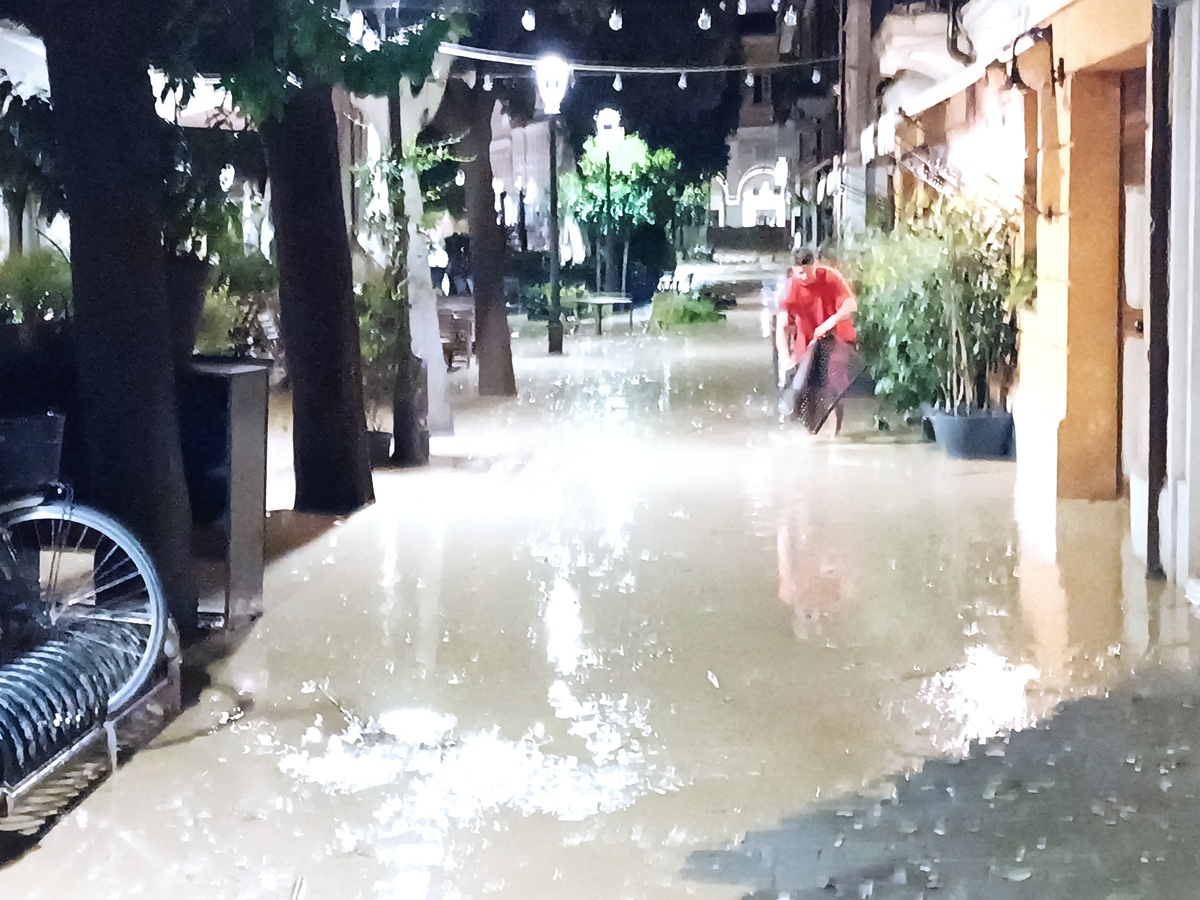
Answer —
379 446
980 434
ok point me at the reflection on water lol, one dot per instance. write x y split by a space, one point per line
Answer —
636 619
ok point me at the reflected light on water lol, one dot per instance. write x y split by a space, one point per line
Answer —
985 698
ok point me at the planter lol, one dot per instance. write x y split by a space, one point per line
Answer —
982 434
379 447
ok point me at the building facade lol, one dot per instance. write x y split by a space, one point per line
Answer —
1040 107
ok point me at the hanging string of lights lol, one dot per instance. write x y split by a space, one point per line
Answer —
705 20
587 68
616 23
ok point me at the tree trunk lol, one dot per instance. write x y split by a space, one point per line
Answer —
15 202
470 110
186 279
316 297
111 149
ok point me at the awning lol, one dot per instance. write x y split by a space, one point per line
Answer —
1000 25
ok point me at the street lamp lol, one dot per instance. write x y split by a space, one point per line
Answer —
553 76
608 135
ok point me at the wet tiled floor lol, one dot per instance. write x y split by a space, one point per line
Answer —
631 637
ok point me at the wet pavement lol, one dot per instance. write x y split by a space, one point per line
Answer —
630 637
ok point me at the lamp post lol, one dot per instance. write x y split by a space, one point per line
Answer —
608 134
553 75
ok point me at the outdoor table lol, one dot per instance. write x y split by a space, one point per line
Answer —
599 301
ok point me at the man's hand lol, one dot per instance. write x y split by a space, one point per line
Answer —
823 329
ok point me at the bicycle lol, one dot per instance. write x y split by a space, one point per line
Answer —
72 575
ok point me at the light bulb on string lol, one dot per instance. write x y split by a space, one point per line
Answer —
775 5
790 18
816 76
618 84
488 83
721 6
705 20
683 81
460 178
742 8
616 21
529 20
749 79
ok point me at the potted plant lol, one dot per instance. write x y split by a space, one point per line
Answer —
937 322
980 293
898 281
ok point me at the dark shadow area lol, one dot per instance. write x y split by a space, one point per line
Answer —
288 531
1099 802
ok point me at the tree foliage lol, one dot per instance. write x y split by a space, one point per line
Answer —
644 184
937 301
290 44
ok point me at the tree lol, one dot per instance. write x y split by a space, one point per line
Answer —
110 138
298 52
628 181
467 112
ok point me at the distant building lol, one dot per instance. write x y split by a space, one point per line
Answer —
787 140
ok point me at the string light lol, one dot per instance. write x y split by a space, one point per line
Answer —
705 20
487 82
742 9
616 21
816 76
775 5
460 177
618 84
529 20
683 81
749 79
789 18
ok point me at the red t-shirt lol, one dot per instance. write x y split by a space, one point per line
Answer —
812 298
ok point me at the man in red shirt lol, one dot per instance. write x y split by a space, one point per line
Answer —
818 301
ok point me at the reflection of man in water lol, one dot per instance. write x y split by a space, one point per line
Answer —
817 301
814 583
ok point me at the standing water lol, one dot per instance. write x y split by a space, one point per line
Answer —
631 637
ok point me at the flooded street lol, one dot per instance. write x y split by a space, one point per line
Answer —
630 637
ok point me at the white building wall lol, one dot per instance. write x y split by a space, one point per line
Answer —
1181 506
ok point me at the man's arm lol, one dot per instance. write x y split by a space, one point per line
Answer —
846 311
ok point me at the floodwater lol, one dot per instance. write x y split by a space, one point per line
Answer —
630 637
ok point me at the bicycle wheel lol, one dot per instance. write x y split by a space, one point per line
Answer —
94 577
